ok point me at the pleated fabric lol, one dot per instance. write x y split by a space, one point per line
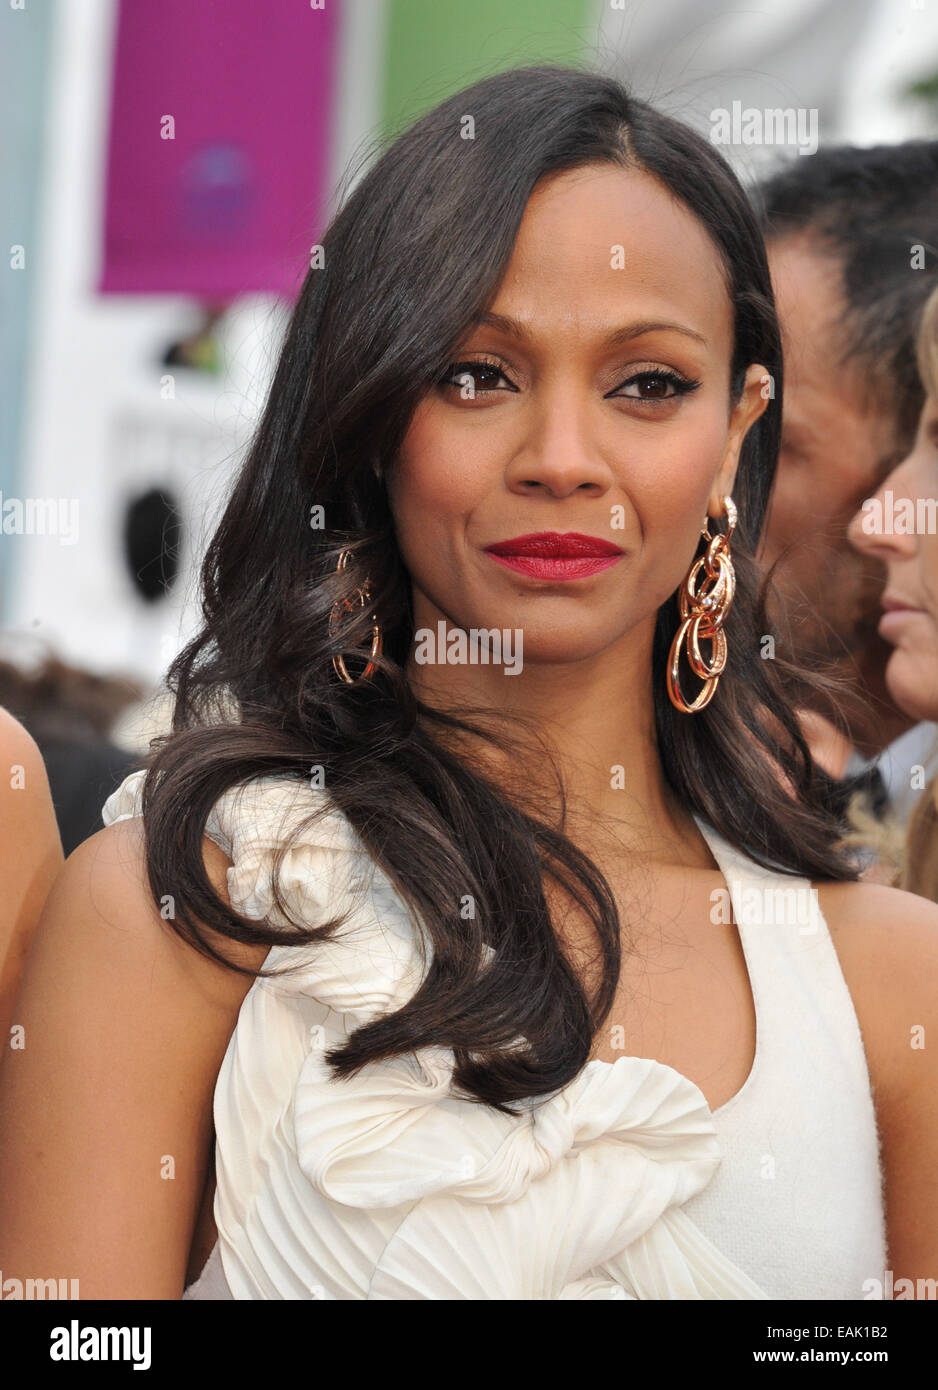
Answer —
389 1185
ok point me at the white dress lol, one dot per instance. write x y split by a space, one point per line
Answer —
389 1186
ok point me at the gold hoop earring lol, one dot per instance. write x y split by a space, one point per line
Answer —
361 596
703 613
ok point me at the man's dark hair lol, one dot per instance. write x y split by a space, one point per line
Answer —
876 211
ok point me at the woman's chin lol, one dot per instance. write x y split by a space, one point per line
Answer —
912 681
563 648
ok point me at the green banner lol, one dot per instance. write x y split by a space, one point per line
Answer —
434 48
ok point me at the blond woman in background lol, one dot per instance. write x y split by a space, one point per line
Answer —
910 601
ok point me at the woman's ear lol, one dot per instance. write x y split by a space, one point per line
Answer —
756 393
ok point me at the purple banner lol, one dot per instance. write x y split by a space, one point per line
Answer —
218 146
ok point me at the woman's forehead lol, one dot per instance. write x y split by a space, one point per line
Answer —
601 242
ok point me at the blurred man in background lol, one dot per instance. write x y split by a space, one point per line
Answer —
853 249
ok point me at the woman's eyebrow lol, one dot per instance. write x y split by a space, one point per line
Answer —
628 331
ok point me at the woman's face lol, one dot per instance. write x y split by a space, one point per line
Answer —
898 525
594 399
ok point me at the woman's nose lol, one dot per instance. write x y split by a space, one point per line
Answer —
562 458
881 526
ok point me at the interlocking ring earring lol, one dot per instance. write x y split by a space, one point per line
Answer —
361 596
704 610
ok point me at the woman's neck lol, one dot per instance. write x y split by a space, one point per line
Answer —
597 719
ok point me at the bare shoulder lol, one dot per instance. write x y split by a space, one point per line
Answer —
872 903
101 918
106 1102
15 741
873 926
887 944
107 876
25 801
30 852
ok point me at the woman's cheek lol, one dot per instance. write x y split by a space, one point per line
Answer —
436 474
430 519
431 504
671 495
912 679
927 487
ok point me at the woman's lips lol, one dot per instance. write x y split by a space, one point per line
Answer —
896 615
552 555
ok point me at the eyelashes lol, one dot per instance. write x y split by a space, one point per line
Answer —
456 373
680 385
666 384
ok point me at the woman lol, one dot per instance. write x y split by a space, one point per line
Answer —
895 527
541 348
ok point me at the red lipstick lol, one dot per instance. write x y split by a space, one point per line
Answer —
550 555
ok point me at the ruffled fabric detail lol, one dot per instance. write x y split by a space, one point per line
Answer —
390 1184
372 965
578 1197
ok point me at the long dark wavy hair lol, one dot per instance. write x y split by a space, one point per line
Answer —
415 253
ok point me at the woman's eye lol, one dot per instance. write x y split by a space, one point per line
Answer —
655 386
480 377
